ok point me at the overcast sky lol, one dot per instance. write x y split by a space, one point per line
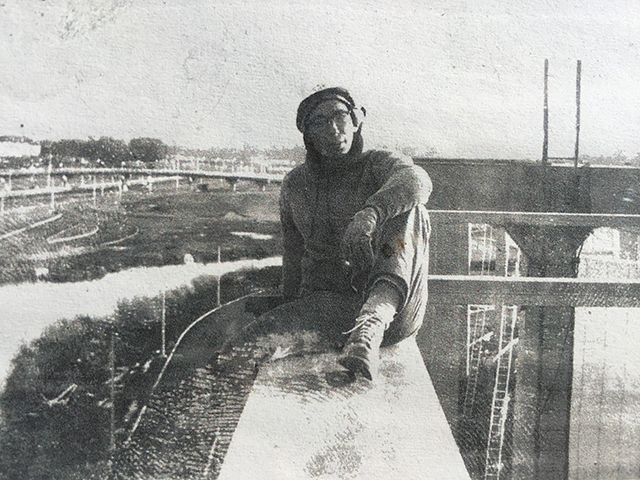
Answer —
462 78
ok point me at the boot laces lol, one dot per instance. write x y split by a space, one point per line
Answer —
367 325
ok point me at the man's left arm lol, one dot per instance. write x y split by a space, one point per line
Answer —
404 186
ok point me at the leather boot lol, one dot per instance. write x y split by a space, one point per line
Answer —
362 350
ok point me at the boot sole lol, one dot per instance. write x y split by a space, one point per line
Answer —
356 366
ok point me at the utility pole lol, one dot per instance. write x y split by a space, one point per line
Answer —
545 119
578 86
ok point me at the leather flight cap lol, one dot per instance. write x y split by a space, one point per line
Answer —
312 101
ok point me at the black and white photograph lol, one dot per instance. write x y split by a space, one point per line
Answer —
255 240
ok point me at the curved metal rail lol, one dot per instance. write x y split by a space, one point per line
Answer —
52 240
172 355
29 227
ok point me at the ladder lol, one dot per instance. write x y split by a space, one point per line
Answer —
501 398
483 245
477 335
481 323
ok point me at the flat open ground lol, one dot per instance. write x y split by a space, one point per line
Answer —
81 239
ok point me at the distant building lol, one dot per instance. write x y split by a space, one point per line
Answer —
17 147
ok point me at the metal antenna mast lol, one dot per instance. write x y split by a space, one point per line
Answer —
578 81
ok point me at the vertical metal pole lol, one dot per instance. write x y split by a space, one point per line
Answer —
218 285
545 120
112 368
578 82
164 329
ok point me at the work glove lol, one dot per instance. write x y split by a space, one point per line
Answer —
357 247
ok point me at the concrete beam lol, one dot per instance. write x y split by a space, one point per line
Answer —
554 219
529 291
519 186
305 418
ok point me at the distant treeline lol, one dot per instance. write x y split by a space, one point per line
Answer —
618 158
106 151
113 153
245 154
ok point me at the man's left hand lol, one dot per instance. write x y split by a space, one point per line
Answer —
357 249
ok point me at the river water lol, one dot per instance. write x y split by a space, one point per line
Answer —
27 309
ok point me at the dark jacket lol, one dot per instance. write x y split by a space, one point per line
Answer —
317 204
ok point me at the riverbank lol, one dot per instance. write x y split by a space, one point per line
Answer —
27 309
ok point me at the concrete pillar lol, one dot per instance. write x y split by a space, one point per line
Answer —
544 360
